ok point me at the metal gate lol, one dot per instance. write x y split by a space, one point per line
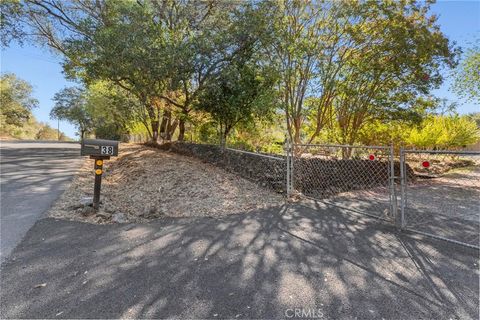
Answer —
357 178
439 189
440 194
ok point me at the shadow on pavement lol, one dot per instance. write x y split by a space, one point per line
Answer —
256 265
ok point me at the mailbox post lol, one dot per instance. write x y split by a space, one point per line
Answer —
98 167
98 150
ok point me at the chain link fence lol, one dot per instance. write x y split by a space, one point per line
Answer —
443 198
358 178
438 191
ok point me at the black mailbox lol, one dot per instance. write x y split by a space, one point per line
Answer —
99 148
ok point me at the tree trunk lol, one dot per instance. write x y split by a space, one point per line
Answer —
181 128
171 126
155 131
224 136
223 140
163 125
346 153
297 125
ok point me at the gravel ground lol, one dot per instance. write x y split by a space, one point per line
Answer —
447 206
145 183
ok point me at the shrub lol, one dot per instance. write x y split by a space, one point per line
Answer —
444 132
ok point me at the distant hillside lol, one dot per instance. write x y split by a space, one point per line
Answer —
31 130
16 118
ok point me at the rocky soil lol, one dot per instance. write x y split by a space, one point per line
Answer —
441 165
145 183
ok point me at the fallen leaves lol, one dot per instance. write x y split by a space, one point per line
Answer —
145 183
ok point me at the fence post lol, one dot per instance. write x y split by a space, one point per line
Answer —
289 158
402 187
292 167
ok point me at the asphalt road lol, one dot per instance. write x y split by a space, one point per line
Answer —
32 175
319 262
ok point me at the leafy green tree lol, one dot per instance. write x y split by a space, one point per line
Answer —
28 131
341 66
113 111
71 105
238 94
294 41
390 75
154 50
16 118
467 76
362 61
128 51
117 41
10 26
16 101
207 36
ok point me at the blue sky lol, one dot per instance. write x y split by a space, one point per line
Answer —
459 20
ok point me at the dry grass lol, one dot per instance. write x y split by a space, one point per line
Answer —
145 183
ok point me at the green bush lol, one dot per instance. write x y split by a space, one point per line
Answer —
444 132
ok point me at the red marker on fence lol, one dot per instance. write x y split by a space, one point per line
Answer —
426 164
371 157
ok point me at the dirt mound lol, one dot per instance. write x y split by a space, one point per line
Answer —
145 183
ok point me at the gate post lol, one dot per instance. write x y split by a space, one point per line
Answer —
393 195
402 187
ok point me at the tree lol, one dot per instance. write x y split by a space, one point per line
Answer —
71 105
128 51
113 111
391 77
17 101
383 133
261 135
117 41
47 133
158 51
475 116
339 66
363 61
237 94
294 41
207 36
16 104
467 77
16 118
10 27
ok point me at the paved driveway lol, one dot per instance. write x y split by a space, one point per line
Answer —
33 175
320 260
